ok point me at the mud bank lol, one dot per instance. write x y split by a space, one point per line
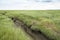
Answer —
36 35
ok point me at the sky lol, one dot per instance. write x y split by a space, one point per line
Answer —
29 4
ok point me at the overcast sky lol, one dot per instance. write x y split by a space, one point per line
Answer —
29 4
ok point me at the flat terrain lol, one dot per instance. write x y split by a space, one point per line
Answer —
29 24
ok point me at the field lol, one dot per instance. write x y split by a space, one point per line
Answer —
45 21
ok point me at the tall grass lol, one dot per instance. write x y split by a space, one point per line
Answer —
8 31
47 21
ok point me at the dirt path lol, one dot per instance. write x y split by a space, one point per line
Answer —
36 35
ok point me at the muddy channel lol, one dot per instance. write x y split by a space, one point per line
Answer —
36 35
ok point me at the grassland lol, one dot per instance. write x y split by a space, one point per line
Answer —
47 21
8 31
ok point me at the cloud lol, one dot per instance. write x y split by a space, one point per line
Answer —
28 4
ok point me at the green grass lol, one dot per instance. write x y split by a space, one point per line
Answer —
8 31
48 21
